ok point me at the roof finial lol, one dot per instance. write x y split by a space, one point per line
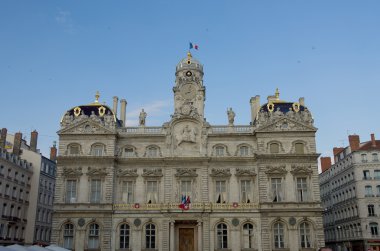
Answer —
97 95
277 94
188 57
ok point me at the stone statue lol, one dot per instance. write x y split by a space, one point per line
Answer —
108 120
277 114
263 116
290 113
94 117
83 116
142 118
67 119
231 116
306 116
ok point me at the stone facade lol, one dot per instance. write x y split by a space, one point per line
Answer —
188 185
350 191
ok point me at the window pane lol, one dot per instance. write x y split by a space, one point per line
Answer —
71 191
152 192
274 148
276 193
95 190
124 236
127 192
220 191
299 148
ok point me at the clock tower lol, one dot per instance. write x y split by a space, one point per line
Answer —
189 92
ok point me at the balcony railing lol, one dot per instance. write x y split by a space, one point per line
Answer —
192 206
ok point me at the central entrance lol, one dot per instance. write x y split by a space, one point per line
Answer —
186 233
186 239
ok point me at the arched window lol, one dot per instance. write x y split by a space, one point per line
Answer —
305 235
97 150
129 152
152 152
299 148
68 236
150 236
248 241
93 236
221 236
124 236
274 148
243 151
219 151
278 235
73 149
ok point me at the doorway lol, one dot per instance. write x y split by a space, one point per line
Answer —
186 239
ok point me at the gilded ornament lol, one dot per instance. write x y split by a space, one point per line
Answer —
77 111
270 107
296 107
102 111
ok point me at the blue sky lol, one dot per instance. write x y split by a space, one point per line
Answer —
56 54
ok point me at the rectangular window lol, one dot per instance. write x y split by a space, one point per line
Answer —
377 174
128 152
371 210
375 157
219 151
220 191
97 151
74 150
374 230
364 157
299 148
366 175
185 188
127 194
245 192
276 193
302 194
368 191
152 192
95 190
71 191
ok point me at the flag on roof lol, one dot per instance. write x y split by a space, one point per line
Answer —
191 46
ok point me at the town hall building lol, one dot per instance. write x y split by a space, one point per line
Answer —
188 185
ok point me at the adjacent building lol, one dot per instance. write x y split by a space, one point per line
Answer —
350 194
187 184
23 173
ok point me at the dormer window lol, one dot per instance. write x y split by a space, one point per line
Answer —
97 150
274 148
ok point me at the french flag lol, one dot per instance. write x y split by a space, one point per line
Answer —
191 46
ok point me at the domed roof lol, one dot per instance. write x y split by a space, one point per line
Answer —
92 109
189 63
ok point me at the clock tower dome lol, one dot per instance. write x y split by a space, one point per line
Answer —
189 92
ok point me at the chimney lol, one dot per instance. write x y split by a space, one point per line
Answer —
114 109
53 152
255 106
17 143
337 150
33 141
325 163
123 103
301 101
3 137
373 140
354 142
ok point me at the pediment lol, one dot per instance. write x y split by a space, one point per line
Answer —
276 170
286 124
127 173
86 126
220 172
152 173
245 172
301 170
186 172
72 171
102 171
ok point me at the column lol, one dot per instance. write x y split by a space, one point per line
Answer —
200 240
172 238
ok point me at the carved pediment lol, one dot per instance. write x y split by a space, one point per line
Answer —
276 170
126 172
301 170
152 172
72 171
219 172
93 171
240 172
86 126
286 124
186 172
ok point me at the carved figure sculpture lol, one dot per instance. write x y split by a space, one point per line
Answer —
142 117
108 120
231 116
187 135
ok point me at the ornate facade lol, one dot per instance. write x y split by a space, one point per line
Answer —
188 185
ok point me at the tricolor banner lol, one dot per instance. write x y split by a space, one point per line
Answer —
191 46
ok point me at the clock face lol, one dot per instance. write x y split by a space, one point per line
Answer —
188 91
188 73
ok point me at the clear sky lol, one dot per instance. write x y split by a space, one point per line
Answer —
56 54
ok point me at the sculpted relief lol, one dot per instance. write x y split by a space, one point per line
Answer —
185 138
